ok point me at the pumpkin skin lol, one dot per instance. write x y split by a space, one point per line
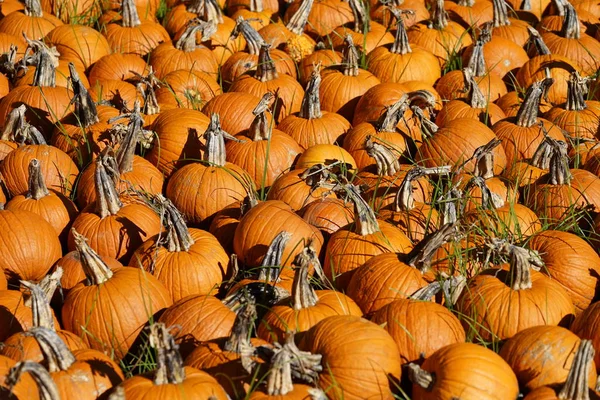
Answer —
469 372
117 66
361 358
35 27
294 191
328 215
79 44
235 110
269 218
570 261
187 89
201 318
73 270
29 245
58 169
197 385
542 356
13 310
200 270
419 328
586 326
179 136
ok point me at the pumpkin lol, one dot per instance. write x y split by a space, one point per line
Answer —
40 382
87 373
31 21
266 78
328 215
442 36
475 106
187 89
306 307
323 56
466 370
368 34
187 262
54 207
355 244
343 85
399 61
46 103
91 309
22 345
521 135
244 61
134 35
228 359
184 53
299 188
498 303
511 29
235 110
171 379
117 66
114 229
312 126
262 151
470 12
570 42
200 190
258 15
22 388
178 138
324 15
200 318
419 327
577 384
387 277
250 246
542 356
31 258
375 359
79 44
17 307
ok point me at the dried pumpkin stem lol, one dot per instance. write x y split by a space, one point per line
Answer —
388 121
107 198
576 91
126 153
449 201
559 165
420 377
265 70
404 200
401 44
365 221
428 128
187 41
500 11
270 266
298 21
350 57
18 130
420 256
129 14
47 388
361 17
311 104
475 96
212 12
85 108
536 39
261 128
169 362
489 199
57 355
239 339
33 8
40 306
520 268
36 185
214 137
466 3
253 39
96 271
571 28
477 61
439 16
388 163
45 60
576 386
256 6
303 295
288 362
178 237
484 159
527 115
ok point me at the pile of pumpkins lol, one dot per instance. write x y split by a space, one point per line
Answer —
313 199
